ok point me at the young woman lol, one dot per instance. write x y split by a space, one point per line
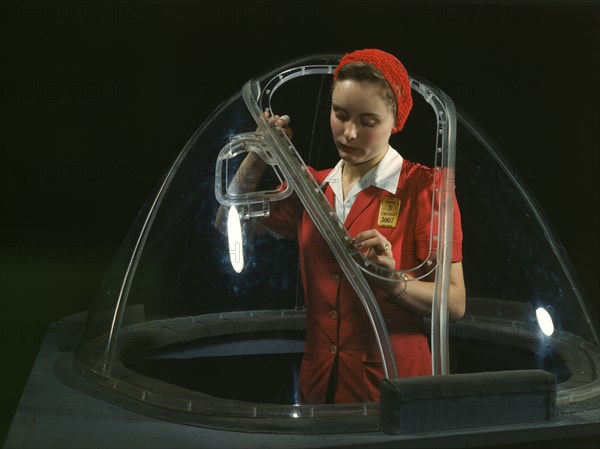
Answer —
371 99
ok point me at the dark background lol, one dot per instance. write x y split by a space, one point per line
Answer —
98 98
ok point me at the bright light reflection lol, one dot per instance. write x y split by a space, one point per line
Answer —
234 233
545 321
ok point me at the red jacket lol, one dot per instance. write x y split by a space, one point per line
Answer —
340 351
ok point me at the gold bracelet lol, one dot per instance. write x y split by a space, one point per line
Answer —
404 278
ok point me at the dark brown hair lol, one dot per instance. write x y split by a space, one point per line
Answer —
364 71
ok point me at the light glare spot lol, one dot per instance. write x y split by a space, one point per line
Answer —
234 233
545 321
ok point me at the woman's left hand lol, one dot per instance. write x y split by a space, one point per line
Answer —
378 248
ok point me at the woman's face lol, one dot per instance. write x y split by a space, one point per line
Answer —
361 121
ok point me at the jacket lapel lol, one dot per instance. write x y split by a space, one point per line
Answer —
363 200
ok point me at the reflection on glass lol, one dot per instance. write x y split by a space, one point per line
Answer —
236 243
545 321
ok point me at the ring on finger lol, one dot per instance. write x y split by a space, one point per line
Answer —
386 246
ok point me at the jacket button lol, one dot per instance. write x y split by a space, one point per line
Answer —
333 349
333 315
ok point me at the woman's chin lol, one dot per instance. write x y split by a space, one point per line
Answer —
350 158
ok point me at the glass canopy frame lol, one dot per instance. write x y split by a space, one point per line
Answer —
280 152
116 325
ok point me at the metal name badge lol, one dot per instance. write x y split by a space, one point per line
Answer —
388 212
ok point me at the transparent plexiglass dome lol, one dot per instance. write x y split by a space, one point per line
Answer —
201 328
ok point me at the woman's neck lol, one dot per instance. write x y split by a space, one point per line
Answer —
351 173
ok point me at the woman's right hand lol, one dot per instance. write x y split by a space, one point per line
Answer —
281 120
